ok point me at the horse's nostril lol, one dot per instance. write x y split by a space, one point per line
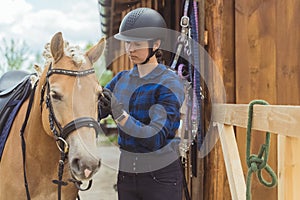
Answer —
75 164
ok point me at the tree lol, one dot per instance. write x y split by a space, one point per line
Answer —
13 55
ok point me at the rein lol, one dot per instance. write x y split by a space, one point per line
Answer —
23 139
62 133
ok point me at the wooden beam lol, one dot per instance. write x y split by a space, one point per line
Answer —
219 21
274 118
232 162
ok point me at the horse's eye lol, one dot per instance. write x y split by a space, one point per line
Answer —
56 96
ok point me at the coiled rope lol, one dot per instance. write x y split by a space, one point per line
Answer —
256 163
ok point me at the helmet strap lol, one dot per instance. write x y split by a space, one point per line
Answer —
151 53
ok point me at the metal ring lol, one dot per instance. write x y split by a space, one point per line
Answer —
184 22
66 146
78 183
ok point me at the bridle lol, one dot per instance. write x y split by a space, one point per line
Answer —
60 133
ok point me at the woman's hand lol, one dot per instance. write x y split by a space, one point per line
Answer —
109 104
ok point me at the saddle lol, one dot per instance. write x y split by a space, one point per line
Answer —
15 88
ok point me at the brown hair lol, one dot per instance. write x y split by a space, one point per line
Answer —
159 56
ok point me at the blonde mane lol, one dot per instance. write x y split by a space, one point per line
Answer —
73 52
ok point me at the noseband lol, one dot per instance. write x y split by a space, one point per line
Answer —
61 133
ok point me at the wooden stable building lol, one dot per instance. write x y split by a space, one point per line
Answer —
256 47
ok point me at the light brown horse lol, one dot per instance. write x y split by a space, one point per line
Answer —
62 121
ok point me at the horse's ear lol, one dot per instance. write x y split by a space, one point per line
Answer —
57 46
38 70
96 51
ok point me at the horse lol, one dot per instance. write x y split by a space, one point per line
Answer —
60 125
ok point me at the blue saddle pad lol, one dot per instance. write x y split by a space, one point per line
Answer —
11 100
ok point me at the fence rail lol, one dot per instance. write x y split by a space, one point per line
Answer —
279 119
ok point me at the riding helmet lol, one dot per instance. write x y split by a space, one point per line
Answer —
141 24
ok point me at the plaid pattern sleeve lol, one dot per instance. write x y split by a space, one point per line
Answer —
153 103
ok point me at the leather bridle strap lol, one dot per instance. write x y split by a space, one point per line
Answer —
70 72
79 123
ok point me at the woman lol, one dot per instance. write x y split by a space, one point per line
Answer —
145 103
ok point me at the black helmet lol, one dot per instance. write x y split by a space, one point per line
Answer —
141 24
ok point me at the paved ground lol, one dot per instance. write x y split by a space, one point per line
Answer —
104 180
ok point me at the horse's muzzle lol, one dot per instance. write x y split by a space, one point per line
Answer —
84 170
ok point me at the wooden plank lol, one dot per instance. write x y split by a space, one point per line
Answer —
288 168
288 84
233 162
256 73
279 119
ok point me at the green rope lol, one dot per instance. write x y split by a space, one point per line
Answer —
256 163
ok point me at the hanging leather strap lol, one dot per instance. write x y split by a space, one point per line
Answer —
23 141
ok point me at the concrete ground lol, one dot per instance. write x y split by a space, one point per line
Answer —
104 180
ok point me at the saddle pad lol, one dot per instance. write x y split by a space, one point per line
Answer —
10 105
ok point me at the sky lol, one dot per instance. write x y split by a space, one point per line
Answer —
36 21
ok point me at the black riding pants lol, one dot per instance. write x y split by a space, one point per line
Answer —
162 184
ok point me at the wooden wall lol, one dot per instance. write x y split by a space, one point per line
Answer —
255 45
267 66
288 84
256 73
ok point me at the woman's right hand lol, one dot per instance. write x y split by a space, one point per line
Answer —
109 104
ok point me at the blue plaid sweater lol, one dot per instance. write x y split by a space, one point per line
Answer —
153 103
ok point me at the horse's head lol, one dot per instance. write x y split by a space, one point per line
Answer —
70 112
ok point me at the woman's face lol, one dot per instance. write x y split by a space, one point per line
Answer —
137 51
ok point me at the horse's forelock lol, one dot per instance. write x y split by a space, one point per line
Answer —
73 52
47 54
76 54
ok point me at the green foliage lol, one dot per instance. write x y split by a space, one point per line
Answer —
108 121
105 77
13 55
88 46
113 138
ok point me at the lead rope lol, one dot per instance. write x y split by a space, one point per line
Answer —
197 84
194 110
194 33
256 163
